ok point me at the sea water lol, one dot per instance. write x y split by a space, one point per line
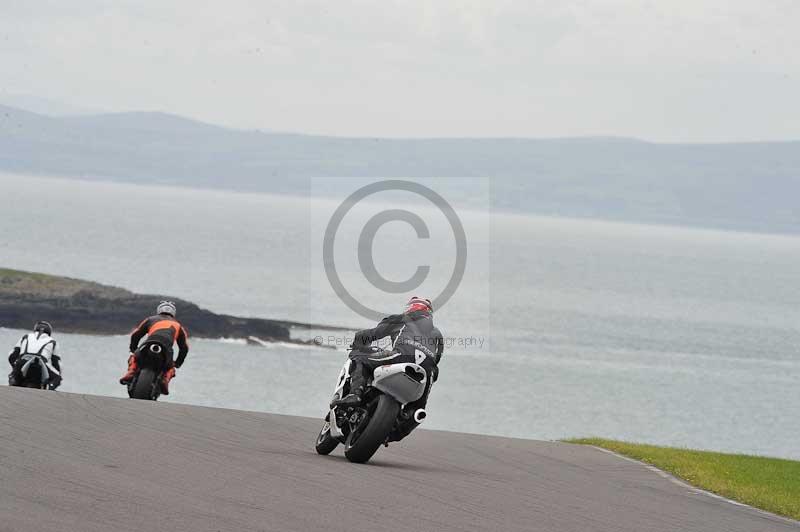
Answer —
560 327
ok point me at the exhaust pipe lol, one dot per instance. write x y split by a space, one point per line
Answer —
419 415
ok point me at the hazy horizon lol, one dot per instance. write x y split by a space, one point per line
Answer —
747 187
55 109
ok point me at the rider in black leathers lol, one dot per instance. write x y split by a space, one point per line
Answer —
414 339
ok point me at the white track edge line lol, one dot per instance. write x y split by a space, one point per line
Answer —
696 490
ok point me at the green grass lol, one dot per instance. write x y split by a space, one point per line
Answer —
17 283
771 484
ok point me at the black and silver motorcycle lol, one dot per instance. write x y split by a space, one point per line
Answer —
383 415
34 371
151 361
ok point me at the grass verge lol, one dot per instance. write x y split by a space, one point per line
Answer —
772 484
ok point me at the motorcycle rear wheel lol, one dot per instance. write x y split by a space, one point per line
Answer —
359 448
144 387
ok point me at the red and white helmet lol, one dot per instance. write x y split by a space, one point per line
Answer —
418 303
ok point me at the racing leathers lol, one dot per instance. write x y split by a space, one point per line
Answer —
164 330
35 348
414 340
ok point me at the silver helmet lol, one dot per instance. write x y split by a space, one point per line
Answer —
43 327
167 307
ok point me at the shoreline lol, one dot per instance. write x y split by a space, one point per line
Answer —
84 307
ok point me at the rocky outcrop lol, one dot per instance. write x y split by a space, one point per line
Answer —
73 305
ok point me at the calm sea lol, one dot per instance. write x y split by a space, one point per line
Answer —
559 328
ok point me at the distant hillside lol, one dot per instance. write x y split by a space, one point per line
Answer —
748 186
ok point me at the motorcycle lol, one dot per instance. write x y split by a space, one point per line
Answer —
34 371
151 361
383 416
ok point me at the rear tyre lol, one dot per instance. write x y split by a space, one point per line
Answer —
144 387
33 379
325 442
359 448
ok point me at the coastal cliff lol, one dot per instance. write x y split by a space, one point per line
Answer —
77 306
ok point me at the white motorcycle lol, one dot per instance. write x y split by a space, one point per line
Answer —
382 415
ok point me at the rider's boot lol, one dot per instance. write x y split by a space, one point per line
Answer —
12 379
351 399
131 373
168 376
356 390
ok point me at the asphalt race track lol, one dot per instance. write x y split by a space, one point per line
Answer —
86 463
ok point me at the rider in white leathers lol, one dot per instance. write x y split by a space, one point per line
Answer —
39 342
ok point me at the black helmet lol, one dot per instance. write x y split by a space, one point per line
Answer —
44 327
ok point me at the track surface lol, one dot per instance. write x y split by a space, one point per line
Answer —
87 463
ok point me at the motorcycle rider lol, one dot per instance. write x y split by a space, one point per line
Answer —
414 339
164 329
39 342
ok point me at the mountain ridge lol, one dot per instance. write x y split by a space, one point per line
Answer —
742 186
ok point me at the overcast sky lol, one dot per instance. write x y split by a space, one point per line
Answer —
672 70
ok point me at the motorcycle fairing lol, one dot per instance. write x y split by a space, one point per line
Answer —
338 393
396 381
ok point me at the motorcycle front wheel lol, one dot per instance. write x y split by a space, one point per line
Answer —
325 442
361 445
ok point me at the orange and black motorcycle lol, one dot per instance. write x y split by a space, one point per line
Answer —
151 362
